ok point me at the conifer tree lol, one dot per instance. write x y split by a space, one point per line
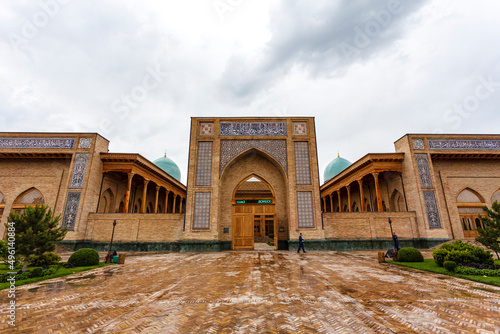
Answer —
490 235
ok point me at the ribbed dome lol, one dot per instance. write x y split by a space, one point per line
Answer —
336 166
169 166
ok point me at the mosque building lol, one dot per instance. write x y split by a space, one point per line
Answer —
250 180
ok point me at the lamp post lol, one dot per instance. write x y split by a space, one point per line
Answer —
109 257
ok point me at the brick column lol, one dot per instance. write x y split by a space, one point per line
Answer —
144 193
127 194
362 195
377 190
156 198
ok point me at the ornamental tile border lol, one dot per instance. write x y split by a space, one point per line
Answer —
423 170
305 209
432 209
418 144
71 210
463 144
85 143
63 143
299 128
229 149
253 128
201 214
206 129
81 161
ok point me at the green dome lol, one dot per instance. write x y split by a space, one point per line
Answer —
336 166
169 166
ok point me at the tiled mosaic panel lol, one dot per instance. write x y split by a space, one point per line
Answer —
79 171
305 209
201 214
229 149
302 170
299 128
37 142
432 209
423 171
253 128
85 143
206 129
204 164
452 144
71 210
418 144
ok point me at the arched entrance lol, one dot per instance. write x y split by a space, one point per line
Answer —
470 205
254 217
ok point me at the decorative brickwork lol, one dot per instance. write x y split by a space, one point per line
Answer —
79 171
85 143
231 148
37 142
423 171
71 210
418 144
432 209
204 164
299 128
302 170
201 210
305 209
206 129
453 144
253 128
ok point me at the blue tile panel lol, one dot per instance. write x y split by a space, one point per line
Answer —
204 164
79 171
418 144
37 142
85 143
305 209
302 170
201 219
253 128
423 171
432 209
232 148
71 210
456 144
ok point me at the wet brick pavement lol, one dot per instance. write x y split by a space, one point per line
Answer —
255 292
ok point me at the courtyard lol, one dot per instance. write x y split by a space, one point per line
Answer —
258 291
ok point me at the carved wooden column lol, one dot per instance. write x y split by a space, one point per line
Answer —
156 198
324 204
349 197
331 202
144 193
377 190
362 195
175 200
340 201
127 194
166 200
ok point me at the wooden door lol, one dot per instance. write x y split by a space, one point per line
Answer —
243 227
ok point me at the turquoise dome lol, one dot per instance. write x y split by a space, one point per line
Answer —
169 166
336 166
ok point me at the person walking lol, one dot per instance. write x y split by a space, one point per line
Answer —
301 244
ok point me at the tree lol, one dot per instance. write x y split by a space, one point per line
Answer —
490 235
36 231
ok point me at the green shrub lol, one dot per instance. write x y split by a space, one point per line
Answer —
461 253
410 254
50 271
37 272
84 257
46 259
23 276
477 272
450 265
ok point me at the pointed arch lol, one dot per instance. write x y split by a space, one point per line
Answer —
253 175
496 196
30 196
254 150
2 204
396 202
107 201
469 195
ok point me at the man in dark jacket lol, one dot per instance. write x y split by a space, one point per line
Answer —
301 244
396 242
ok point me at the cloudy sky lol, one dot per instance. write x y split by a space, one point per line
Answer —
135 72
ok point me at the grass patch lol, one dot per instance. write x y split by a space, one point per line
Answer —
430 265
270 243
59 273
